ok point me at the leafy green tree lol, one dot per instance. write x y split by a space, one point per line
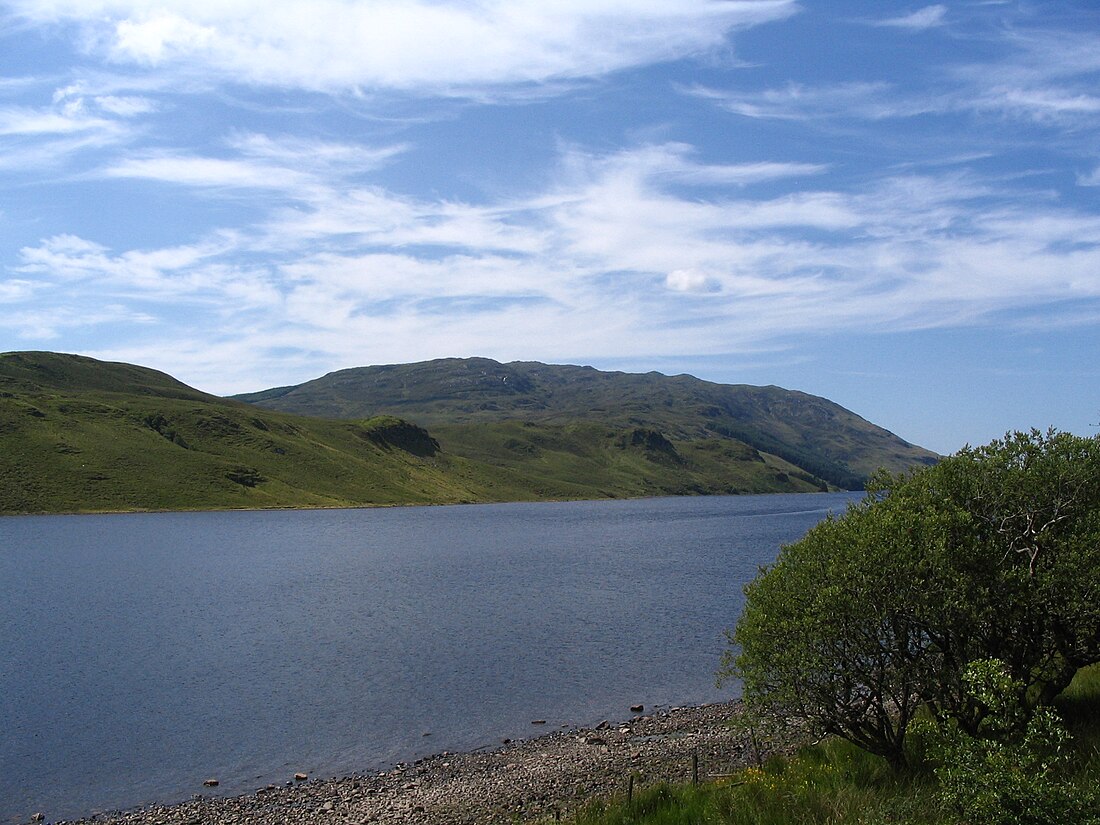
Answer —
1020 572
992 553
829 634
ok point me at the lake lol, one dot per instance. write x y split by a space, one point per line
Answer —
141 654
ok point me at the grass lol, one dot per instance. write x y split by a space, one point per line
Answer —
591 460
1079 706
78 435
833 783
822 438
836 783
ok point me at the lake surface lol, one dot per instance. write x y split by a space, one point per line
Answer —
141 654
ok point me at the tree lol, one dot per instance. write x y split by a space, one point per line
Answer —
992 553
1021 570
829 636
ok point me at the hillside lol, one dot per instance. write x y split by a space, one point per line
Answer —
81 435
822 438
78 434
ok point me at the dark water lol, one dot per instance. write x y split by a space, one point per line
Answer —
142 654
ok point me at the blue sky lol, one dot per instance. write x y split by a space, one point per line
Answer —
893 205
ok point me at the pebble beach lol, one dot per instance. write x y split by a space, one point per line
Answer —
534 780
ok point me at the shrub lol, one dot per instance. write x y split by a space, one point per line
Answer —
993 553
1015 770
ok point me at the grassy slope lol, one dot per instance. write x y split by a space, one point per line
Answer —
821 437
590 460
76 435
81 435
836 783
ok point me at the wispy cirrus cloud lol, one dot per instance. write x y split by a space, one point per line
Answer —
626 252
302 169
340 45
869 100
928 17
22 121
1039 75
675 163
1090 178
73 123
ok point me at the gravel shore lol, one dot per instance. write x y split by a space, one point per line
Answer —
531 780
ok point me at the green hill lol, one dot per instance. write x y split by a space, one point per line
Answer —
821 438
81 435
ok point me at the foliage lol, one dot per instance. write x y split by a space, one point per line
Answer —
993 553
1015 770
1021 566
822 638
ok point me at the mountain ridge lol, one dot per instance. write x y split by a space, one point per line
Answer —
81 435
815 433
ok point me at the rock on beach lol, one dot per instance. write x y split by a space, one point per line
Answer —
517 782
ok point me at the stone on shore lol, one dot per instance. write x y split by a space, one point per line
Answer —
528 781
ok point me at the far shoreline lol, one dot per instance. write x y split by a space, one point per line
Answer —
395 505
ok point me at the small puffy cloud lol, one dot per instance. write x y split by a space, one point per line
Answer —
690 280
159 37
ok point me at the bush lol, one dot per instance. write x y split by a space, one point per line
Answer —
1015 771
993 553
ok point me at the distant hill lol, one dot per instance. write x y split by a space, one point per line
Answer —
820 438
81 435
78 434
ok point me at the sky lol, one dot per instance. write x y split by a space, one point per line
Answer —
893 205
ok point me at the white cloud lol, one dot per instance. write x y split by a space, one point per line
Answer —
1089 179
207 172
689 280
927 18
333 157
15 290
1039 75
29 122
37 137
1051 103
125 106
171 274
39 325
867 100
412 45
350 275
675 163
